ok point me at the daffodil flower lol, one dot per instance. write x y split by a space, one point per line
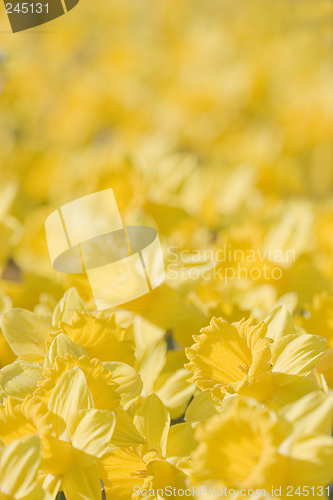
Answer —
269 361
258 449
163 461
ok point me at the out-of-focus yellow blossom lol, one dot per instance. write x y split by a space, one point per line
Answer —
10 228
6 354
317 318
258 450
19 419
323 371
163 461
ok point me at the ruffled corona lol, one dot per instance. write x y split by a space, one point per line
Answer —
99 380
227 357
101 337
246 440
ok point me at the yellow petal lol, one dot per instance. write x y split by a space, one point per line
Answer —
145 333
61 346
288 388
311 414
19 462
176 392
129 382
239 448
151 365
64 310
280 323
91 430
6 354
2 395
201 407
165 474
20 379
311 461
38 494
82 484
325 368
26 333
22 418
297 354
180 445
153 421
121 471
70 395
5 302
53 448
125 433
49 483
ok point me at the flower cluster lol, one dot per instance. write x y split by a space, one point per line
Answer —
94 405
212 122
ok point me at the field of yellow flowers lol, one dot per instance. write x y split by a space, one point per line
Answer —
212 121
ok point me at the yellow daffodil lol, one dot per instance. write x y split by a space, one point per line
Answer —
228 356
255 450
82 434
100 381
268 361
163 461
22 418
120 379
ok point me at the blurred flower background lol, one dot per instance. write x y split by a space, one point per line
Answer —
212 122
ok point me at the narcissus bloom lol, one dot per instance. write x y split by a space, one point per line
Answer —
228 356
69 428
163 461
99 381
256 448
266 361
